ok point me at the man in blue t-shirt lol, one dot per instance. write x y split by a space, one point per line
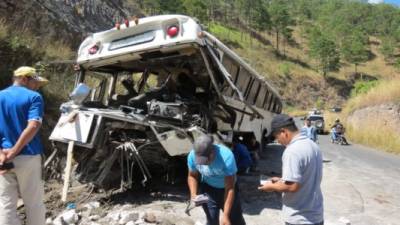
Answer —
214 166
21 113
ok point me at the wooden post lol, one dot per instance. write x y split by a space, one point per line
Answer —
67 171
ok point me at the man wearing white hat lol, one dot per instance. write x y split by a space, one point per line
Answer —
21 112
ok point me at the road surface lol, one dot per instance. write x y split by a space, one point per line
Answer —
361 186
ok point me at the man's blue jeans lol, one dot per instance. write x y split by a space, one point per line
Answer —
216 202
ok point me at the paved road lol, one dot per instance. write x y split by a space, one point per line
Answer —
361 186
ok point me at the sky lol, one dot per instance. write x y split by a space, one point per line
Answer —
394 2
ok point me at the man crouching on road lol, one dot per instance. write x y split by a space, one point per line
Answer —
21 112
301 174
215 166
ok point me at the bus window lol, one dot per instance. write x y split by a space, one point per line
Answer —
248 88
268 101
235 75
243 80
279 108
261 96
97 83
273 105
253 93
233 71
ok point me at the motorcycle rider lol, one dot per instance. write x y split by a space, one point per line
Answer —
337 129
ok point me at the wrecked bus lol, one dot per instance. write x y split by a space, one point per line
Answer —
146 88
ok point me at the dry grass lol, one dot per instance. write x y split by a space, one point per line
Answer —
262 57
373 133
295 112
385 92
58 50
3 29
376 134
24 38
330 118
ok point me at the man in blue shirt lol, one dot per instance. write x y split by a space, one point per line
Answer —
214 166
309 130
242 156
21 113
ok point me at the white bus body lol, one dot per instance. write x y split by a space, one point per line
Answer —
209 88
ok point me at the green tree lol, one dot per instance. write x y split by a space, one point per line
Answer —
196 8
280 18
260 19
387 48
152 6
171 6
354 48
324 50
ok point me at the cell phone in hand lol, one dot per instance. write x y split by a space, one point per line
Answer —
7 166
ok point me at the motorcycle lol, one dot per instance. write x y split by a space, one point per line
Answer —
337 136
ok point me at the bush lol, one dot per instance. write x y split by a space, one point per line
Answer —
284 69
383 92
362 87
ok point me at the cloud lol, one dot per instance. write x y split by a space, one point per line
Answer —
375 1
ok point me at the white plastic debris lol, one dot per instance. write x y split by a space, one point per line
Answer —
344 221
128 216
94 223
69 217
49 221
94 217
92 205
114 215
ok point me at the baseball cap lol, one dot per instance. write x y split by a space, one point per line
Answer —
27 71
203 147
280 121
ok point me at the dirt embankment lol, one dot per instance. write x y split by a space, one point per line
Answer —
66 20
376 126
387 115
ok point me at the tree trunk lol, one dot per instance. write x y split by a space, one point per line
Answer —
355 68
284 48
277 41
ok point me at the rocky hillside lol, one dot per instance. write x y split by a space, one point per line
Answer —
66 20
33 31
42 30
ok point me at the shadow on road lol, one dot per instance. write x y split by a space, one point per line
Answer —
254 201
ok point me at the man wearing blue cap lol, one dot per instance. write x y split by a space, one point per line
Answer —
213 165
301 174
21 113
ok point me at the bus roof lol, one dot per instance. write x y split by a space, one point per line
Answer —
138 36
